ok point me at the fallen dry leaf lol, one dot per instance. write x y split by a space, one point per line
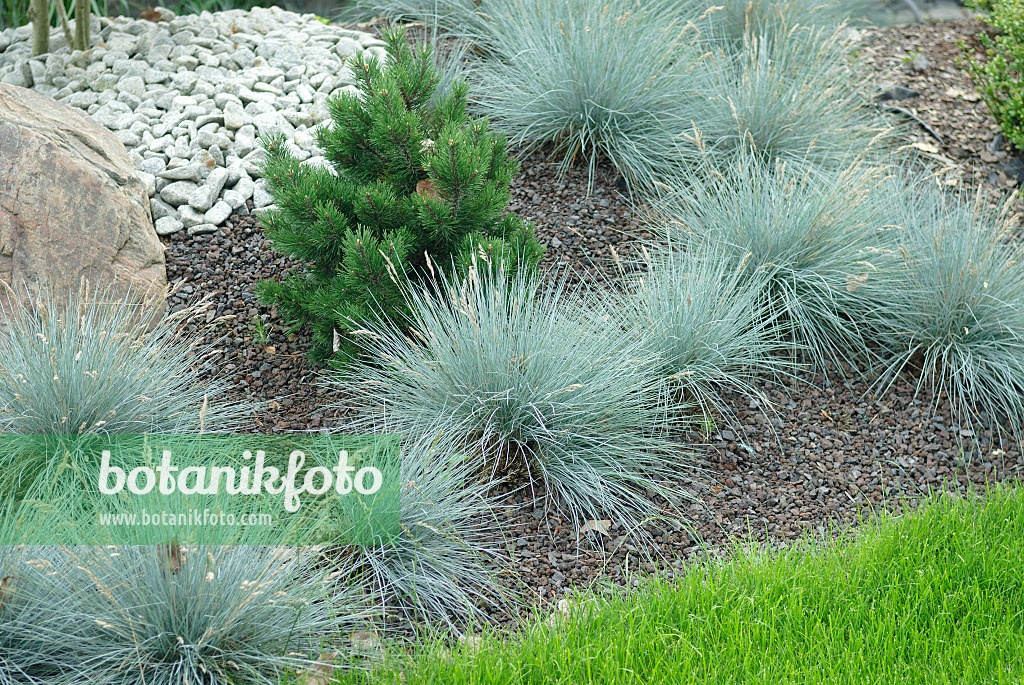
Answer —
925 147
6 589
319 673
601 526
149 14
364 640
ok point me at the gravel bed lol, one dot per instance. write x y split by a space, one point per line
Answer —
817 459
970 152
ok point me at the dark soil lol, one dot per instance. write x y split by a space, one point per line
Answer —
822 456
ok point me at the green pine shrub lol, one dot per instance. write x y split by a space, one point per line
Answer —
999 74
416 185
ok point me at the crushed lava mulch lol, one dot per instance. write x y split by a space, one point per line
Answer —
820 457
967 147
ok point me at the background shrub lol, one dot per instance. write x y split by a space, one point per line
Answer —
410 178
999 74
817 235
530 385
956 307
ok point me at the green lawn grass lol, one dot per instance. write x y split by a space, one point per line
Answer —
934 596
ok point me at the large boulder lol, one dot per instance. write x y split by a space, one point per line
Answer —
72 208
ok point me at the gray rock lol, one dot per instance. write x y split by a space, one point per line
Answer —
133 85
16 78
235 117
153 165
220 212
203 197
82 99
245 187
233 198
191 172
178 193
191 217
161 209
201 229
272 123
261 197
245 140
149 181
168 225
347 48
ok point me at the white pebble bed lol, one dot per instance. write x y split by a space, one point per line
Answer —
189 95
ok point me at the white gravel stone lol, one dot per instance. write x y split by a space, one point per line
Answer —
190 93
148 180
233 199
261 197
189 172
191 217
178 193
201 229
219 213
245 187
161 209
168 225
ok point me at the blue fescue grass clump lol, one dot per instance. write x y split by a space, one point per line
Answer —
735 21
97 363
438 569
530 382
819 235
956 307
218 614
795 97
933 595
600 80
775 79
32 627
707 320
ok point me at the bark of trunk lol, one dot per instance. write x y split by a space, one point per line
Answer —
82 12
39 15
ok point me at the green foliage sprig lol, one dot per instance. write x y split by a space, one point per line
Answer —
416 185
999 74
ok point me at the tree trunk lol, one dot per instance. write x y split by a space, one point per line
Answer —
63 14
39 15
82 11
